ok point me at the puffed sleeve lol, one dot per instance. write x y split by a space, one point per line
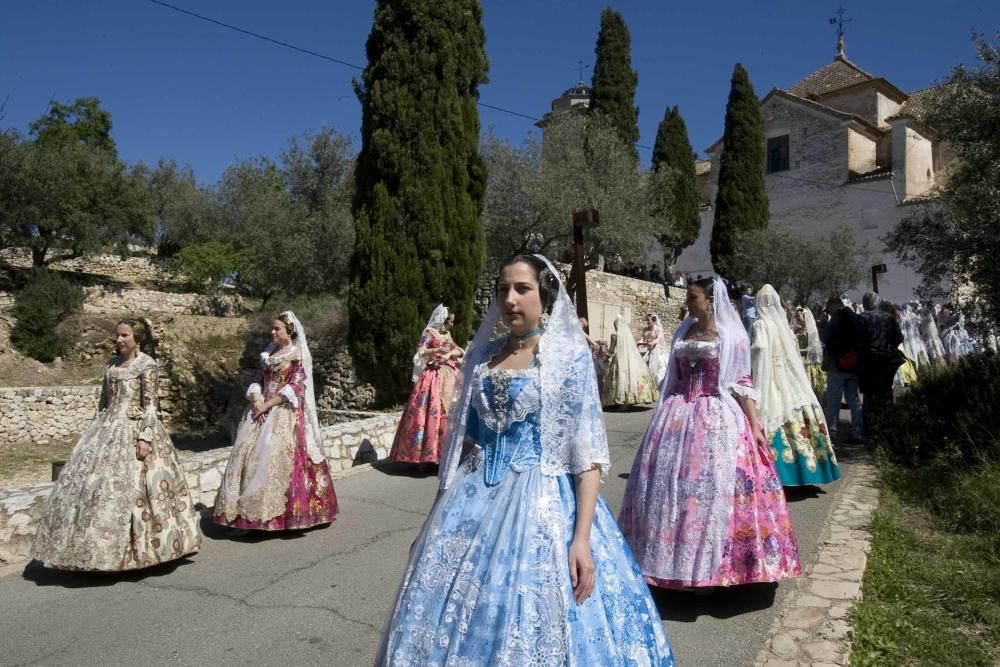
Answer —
149 381
294 388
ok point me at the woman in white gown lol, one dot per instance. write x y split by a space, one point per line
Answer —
628 381
654 350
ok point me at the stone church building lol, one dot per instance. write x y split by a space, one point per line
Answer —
844 148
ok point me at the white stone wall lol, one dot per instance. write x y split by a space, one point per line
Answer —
814 196
20 509
42 414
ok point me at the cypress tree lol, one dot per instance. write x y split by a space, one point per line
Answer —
673 149
741 203
419 182
614 81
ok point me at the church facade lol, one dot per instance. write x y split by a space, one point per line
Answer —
844 148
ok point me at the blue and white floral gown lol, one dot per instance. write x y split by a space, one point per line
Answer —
488 580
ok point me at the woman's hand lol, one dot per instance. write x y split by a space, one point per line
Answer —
759 437
142 449
260 410
581 570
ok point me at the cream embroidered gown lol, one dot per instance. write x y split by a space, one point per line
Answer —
109 511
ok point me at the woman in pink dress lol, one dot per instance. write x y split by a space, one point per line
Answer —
421 429
704 506
277 477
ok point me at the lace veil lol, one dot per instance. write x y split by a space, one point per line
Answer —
438 318
734 352
778 372
573 434
814 347
314 438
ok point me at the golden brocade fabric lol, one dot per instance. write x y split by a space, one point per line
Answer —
109 511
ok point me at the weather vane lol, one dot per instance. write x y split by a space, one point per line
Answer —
839 21
580 67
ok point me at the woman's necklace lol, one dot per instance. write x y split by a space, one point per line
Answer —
538 331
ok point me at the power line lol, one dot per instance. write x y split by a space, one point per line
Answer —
323 56
259 36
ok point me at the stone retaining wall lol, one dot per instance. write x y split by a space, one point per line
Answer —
609 294
41 414
148 268
20 509
107 300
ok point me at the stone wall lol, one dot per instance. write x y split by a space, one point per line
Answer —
105 300
20 509
109 300
609 295
137 269
42 414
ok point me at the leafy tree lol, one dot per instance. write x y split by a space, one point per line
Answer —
82 122
184 213
533 190
66 190
957 239
70 197
614 81
741 203
44 302
420 181
279 227
672 151
788 261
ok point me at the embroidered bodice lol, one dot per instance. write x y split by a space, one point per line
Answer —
130 393
697 368
504 420
282 374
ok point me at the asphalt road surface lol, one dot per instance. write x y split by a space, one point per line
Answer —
321 597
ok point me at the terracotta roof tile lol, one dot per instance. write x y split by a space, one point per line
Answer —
841 73
917 104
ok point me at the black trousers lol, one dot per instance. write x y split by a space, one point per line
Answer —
875 382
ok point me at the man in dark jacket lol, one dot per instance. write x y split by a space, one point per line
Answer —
844 342
881 359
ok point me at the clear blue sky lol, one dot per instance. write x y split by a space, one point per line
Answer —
184 89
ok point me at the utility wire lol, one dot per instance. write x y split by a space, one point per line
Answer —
316 54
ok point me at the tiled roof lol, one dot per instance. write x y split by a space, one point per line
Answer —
874 175
917 104
841 73
702 167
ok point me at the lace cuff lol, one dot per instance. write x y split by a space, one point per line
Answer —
254 390
289 393
745 392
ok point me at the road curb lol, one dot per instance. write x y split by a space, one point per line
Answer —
812 628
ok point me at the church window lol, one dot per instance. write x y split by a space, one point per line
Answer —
777 154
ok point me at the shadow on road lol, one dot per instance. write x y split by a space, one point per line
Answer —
397 469
43 576
686 606
214 531
794 494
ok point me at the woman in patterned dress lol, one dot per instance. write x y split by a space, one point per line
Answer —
421 429
121 502
277 477
703 506
520 561
790 413
628 380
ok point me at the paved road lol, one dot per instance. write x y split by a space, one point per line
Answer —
321 597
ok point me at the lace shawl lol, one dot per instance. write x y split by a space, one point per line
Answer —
573 435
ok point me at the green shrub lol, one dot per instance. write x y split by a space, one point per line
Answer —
44 302
951 412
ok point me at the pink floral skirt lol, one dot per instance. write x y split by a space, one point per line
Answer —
420 434
675 517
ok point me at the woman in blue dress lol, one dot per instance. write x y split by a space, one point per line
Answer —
503 572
